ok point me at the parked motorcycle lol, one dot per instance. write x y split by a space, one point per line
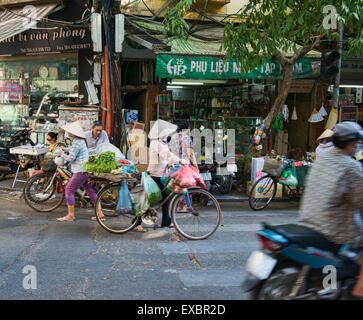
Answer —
8 162
294 263
217 177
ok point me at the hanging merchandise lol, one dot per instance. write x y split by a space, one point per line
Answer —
333 119
257 136
315 117
294 114
322 111
279 122
285 112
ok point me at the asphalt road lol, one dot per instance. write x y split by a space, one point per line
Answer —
80 260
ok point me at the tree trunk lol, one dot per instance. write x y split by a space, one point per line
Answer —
283 92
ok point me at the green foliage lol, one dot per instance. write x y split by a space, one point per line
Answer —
244 165
268 28
105 162
174 19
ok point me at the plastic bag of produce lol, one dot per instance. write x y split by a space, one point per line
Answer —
174 187
152 189
124 204
198 178
186 177
140 201
289 177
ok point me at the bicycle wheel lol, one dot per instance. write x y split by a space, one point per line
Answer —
203 218
44 192
262 192
114 222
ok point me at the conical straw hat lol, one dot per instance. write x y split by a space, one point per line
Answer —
315 116
326 134
294 114
161 129
323 112
74 128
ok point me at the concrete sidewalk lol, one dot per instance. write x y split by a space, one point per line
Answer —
8 182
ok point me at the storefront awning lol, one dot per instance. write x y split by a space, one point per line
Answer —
15 21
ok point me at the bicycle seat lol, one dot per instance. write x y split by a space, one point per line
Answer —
304 236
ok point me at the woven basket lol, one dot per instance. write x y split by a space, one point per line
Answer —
273 167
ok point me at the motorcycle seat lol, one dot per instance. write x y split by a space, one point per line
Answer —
304 236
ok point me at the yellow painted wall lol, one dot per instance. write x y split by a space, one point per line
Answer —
139 8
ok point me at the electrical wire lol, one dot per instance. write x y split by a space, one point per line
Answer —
152 12
151 32
49 21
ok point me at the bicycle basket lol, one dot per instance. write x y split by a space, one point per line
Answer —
273 167
48 164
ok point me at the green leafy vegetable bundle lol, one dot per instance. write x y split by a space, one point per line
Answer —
105 162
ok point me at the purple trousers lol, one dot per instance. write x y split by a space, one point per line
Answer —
78 180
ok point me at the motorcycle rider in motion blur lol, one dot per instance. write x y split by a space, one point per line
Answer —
334 190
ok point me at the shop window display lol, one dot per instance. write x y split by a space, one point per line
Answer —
26 83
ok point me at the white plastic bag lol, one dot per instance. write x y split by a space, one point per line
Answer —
103 147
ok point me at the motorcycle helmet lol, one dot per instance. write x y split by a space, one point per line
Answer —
348 131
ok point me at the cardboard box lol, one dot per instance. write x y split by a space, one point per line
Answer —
260 194
137 138
138 125
139 155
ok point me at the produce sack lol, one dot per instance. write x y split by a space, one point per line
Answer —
198 178
124 204
288 177
188 177
152 189
174 187
140 201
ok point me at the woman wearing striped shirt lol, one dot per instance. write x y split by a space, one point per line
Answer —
78 154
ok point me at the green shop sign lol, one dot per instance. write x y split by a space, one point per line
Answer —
194 67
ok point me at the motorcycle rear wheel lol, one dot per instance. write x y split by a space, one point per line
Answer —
278 286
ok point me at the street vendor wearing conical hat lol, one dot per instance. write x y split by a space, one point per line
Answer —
325 141
160 157
78 154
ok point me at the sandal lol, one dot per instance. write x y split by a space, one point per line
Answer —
139 229
63 219
169 226
95 219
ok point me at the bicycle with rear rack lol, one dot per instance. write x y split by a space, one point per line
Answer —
265 188
200 221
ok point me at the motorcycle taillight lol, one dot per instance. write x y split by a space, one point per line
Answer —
269 244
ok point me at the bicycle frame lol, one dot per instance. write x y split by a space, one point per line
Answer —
172 194
65 175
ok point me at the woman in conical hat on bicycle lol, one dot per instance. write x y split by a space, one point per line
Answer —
160 157
78 154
